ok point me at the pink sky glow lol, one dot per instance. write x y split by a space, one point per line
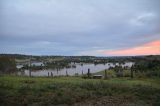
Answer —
151 48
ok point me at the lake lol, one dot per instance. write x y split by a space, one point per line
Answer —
78 70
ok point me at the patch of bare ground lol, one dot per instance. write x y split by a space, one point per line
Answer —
106 101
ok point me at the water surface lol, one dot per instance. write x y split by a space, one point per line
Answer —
78 70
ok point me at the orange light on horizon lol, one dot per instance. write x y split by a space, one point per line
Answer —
151 48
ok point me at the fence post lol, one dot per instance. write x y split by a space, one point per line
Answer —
66 73
132 72
88 73
105 73
51 74
48 74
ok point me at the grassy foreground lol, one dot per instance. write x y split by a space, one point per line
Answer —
67 91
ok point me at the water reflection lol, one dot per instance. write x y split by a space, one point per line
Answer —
78 70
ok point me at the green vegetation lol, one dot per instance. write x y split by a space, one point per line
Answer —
148 68
110 73
117 88
66 91
57 64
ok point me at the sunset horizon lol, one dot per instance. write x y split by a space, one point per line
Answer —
79 52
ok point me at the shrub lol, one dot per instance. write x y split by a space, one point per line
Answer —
140 75
119 74
153 74
126 73
86 76
111 74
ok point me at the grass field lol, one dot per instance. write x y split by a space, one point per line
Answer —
66 91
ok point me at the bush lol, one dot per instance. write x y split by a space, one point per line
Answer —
111 74
140 74
153 74
126 73
84 76
119 74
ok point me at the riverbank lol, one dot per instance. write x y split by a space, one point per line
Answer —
66 91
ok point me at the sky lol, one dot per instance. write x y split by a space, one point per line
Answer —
80 27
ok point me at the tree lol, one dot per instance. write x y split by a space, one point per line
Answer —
7 65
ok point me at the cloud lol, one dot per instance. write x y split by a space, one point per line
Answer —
76 27
143 19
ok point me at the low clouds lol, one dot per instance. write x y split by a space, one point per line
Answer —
60 27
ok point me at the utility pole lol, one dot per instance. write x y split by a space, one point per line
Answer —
132 71
30 67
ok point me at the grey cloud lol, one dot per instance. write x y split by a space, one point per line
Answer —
72 27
